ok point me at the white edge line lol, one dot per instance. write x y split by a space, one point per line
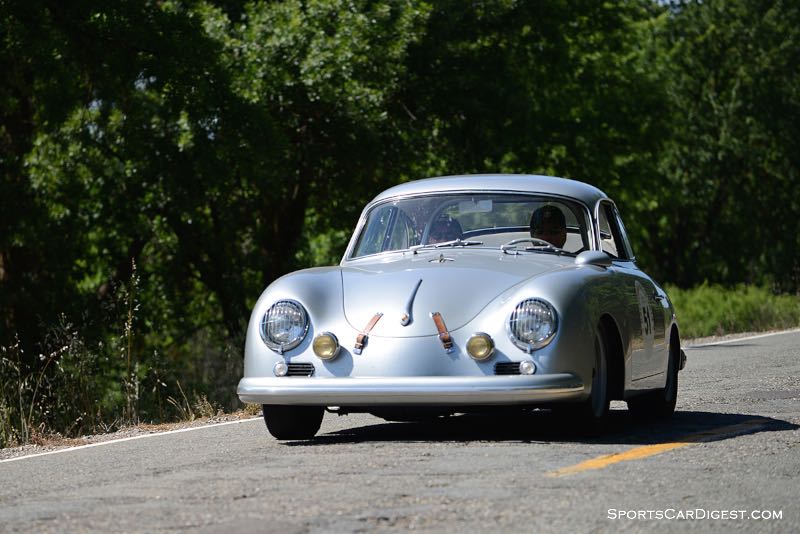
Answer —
131 438
735 340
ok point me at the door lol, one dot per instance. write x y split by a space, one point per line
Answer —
644 317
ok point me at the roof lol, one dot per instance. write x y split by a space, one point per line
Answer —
525 183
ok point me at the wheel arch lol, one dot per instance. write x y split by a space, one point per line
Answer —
615 357
674 335
675 347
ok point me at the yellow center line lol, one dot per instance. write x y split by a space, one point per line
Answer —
637 453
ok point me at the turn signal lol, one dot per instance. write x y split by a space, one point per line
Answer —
527 368
280 369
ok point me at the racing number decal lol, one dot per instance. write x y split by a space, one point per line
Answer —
645 312
647 321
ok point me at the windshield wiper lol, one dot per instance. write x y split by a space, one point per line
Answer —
444 244
536 246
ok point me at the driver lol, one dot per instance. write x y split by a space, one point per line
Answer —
548 223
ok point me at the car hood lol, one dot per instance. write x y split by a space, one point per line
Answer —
457 283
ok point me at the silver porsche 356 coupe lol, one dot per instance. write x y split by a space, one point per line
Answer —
465 292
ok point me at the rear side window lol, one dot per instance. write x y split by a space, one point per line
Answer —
612 240
625 241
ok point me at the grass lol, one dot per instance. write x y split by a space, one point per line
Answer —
710 310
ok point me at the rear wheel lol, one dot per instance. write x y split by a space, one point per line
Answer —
661 403
293 422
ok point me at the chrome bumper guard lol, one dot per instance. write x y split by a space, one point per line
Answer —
427 390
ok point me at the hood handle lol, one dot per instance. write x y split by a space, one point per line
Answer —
405 320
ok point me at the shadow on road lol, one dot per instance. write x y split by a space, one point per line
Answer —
546 426
717 346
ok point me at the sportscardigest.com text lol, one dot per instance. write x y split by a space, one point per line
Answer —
694 514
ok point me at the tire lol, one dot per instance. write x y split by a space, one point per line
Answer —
593 412
293 422
660 404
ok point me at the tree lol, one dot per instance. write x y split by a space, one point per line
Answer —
542 87
165 135
726 209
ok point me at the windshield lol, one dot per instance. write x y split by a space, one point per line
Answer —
481 220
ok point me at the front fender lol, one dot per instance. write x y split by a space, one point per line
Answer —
319 290
580 296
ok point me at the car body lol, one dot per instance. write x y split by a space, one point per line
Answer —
445 302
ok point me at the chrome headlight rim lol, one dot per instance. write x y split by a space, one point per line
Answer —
276 346
525 345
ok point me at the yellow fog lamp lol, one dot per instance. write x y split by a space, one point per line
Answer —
326 346
480 346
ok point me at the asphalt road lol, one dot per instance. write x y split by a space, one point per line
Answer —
730 457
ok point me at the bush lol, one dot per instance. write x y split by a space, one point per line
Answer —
711 310
75 386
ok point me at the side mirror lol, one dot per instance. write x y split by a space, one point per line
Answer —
593 257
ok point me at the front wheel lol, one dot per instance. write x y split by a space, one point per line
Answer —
593 412
293 422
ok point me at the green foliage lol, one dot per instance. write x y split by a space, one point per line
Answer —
724 204
529 87
320 244
711 310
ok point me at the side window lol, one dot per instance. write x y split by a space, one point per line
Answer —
403 234
372 237
611 240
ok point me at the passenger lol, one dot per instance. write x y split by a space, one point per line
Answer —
548 223
444 229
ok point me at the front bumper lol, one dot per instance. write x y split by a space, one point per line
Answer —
399 391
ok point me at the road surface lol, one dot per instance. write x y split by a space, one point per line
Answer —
730 459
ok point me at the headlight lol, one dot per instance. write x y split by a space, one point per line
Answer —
284 326
532 324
